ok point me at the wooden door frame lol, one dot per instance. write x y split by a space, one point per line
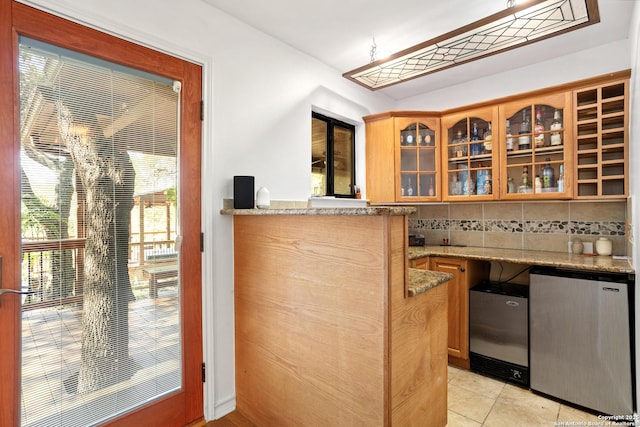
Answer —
180 408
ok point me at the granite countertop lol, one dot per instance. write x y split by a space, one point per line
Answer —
421 281
542 258
375 210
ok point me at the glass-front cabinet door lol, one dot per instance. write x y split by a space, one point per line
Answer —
470 155
418 147
536 148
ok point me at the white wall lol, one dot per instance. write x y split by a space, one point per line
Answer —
577 66
259 94
258 97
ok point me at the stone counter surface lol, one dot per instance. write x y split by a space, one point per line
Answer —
378 210
421 281
542 258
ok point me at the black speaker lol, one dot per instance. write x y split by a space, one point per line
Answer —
243 189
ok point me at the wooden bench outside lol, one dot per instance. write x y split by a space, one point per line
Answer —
161 276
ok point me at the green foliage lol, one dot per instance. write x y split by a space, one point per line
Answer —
172 195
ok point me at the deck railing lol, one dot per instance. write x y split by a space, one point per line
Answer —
43 263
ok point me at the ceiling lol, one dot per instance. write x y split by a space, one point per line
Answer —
339 33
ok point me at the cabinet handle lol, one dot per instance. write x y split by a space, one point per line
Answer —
462 269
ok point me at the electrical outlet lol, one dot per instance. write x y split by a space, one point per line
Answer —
630 232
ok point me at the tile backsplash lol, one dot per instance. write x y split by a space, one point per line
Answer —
545 226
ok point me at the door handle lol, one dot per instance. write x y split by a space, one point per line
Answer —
11 291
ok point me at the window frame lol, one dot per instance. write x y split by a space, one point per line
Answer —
332 123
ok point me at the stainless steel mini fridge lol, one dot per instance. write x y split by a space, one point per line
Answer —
498 331
581 338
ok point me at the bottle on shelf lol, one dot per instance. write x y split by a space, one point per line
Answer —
525 182
524 140
475 146
538 128
488 139
481 177
454 187
561 180
511 186
509 142
459 150
538 184
548 175
431 191
409 188
556 125
487 183
463 178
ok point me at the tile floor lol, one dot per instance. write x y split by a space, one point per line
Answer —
476 400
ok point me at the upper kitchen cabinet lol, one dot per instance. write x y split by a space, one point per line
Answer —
403 157
602 140
536 148
470 155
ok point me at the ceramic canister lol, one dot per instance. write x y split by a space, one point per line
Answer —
604 246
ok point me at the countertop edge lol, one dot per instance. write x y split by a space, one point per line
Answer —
374 210
541 258
420 281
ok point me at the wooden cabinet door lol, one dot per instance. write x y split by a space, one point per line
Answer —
534 151
470 163
420 263
380 155
403 157
466 274
458 335
417 142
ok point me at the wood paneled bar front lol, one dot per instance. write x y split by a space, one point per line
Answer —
326 332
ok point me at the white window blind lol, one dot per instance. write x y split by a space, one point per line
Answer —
99 205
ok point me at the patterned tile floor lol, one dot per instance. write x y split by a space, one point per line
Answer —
51 354
476 400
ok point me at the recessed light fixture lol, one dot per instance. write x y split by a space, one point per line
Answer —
522 23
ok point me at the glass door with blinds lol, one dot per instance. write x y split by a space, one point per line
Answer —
101 330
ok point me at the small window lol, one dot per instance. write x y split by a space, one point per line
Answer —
332 157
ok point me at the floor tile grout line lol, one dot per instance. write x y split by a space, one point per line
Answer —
494 404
